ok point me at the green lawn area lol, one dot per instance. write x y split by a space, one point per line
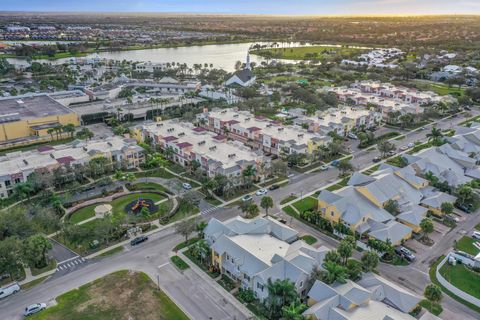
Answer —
465 244
434 308
307 203
371 170
462 278
158 173
35 146
290 211
213 201
112 252
185 244
120 295
340 185
477 227
319 53
272 181
33 283
182 265
150 186
288 199
52 264
440 88
83 213
309 239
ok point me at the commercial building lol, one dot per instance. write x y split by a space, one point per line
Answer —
261 133
25 119
15 167
253 251
212 151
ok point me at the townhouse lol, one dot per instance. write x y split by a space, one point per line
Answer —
212 151
340 120
253 251
15 167
376 58
361 204
261 133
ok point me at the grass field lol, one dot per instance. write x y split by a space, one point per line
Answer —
440 88
177 261
433 307
462 278
309 239
318 53
120 295
307 203
465 244
83 213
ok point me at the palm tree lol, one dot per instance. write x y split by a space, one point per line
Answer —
433 293
266 203
334 272
248 173
70 129
252 210
50 132
293 311
435 136
280 293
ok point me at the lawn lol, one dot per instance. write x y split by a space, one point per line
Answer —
33 283
111 252
83 213
52 264
179 263
309 239
290 211
340 185
158 173
213 201
308 203
120 295
477 227
227 283
288 199
185 244
150 186
465 244
318 53
433 307
462 278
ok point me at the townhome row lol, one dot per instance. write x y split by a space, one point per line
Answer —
252 252
261 133
376 58
15 167
212 151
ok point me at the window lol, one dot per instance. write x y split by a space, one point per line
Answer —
7 183
301 284
17 180
260 286
332 213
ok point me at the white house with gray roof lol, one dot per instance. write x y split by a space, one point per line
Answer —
254 251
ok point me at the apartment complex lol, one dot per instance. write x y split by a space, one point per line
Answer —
254 251
24 119
15 167
360 205
340 120
378 58
212 151
261 133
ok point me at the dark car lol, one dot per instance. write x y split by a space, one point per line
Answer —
464 207
467 108
283 221
377 159
404 252
289 164
138 240
274 187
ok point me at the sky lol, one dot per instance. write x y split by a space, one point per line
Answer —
284 7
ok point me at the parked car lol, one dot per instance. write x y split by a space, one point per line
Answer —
34 308
138 240
476 235
467 108
404 252
352 136
377 159
403 148
411 145
274 187
391 153
247 198
372 129
9 290
324 168
186 186
464 207
283 221
335 163
451 218
261 192
289 164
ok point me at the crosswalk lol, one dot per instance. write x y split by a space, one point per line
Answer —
209 210
70 263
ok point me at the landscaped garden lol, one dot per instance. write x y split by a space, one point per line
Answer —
319 53
120 295
466 244
463 278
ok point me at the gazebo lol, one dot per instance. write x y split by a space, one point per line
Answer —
103 209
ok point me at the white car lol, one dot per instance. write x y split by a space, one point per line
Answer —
247 198
186 186
34 308
476 235
261 192
9 290
324 168
411 145
403 148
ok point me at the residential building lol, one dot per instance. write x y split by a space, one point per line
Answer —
212 151
261 133
150 67
361 205
25 119
254 251
378 58
15 167
372 298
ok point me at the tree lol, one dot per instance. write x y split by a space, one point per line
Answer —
354 269
333 272
435 136
333 256
70 129
34 250
464 194
369 261
252 210
23 190
185 227
427 227
385 147
10 257
345 166
201 228
294 311
248 174
345 250
266 203
392 206
51 131
280 293
433 293
446 208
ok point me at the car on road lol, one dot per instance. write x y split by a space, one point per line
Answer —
335 163
451 218
186 186
247 198
352 136
403 148
324 168
9 290
411 145
467 208
476 235
377 159
404 252
291 175
274 187
261 192
138 240
34 308
391 153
